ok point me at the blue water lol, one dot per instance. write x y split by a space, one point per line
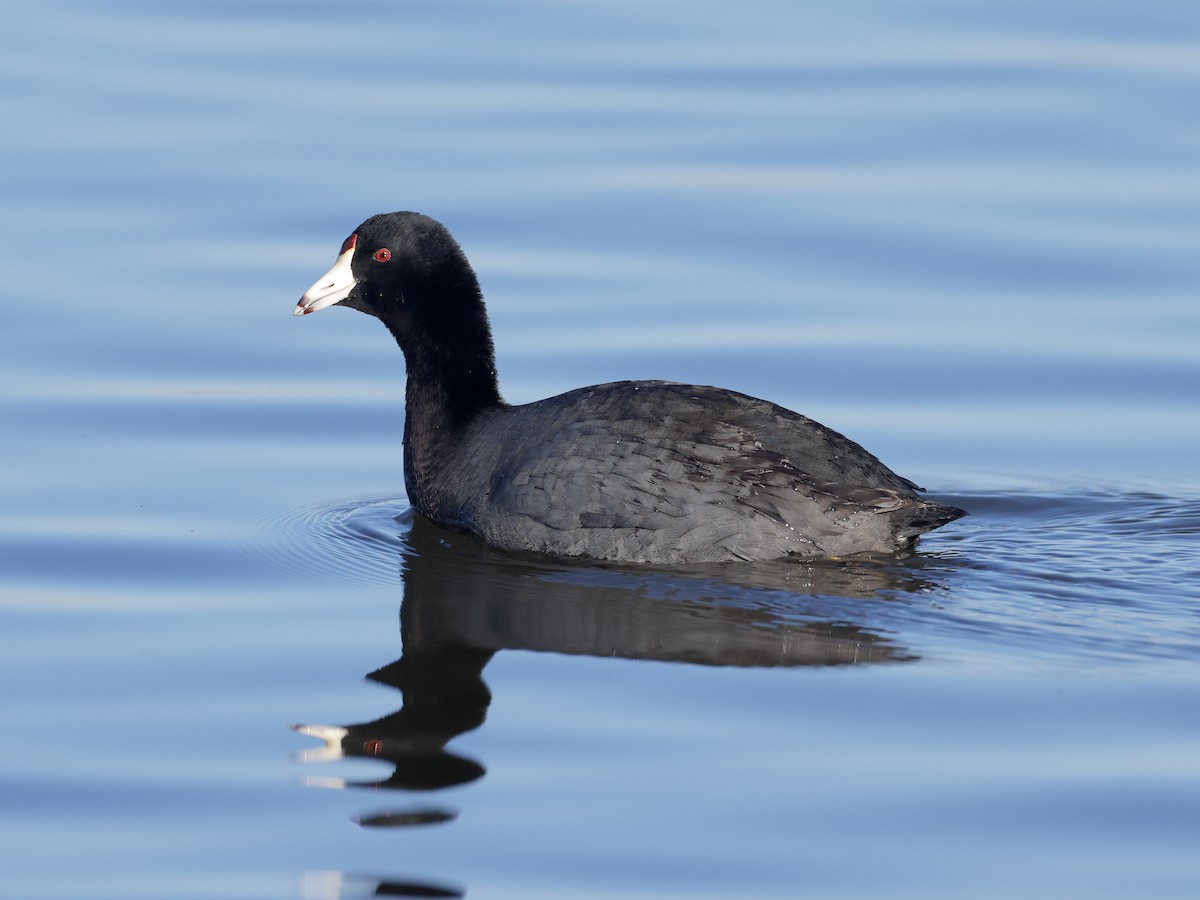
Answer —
965 235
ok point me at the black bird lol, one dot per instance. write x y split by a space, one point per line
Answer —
634 471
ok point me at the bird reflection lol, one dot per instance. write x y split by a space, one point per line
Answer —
444 696
464 601
336 885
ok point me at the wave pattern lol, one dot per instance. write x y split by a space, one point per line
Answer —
352 541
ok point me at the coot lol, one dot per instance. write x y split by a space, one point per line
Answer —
634 471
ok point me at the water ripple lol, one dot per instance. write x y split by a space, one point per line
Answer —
1101 575
349 541
1070 577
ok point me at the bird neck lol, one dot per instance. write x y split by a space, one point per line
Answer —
451 380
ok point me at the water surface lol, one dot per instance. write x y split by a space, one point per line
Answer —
963 235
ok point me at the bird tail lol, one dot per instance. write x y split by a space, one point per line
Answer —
924 515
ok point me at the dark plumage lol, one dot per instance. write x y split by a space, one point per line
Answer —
635 471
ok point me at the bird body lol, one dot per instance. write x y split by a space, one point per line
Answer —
633 471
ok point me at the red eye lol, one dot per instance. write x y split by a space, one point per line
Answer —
383 254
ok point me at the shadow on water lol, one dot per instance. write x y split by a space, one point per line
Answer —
464 602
